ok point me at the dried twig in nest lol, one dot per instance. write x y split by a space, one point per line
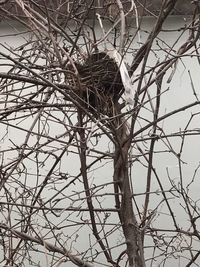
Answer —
101 84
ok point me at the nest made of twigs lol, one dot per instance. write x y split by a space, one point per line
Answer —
100 83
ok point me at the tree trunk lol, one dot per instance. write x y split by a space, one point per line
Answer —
127 217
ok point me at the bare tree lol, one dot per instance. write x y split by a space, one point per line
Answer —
82 131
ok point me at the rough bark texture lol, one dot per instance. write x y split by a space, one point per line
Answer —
124 203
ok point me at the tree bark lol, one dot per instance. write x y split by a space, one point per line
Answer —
127 216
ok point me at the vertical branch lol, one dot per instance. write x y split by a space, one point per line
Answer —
127 217
151 150
123 26
82 155
166 8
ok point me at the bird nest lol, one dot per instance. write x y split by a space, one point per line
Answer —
100 84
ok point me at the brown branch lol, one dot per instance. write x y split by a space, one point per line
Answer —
23 236
82 154
166 8
166 116
151 150
126 214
